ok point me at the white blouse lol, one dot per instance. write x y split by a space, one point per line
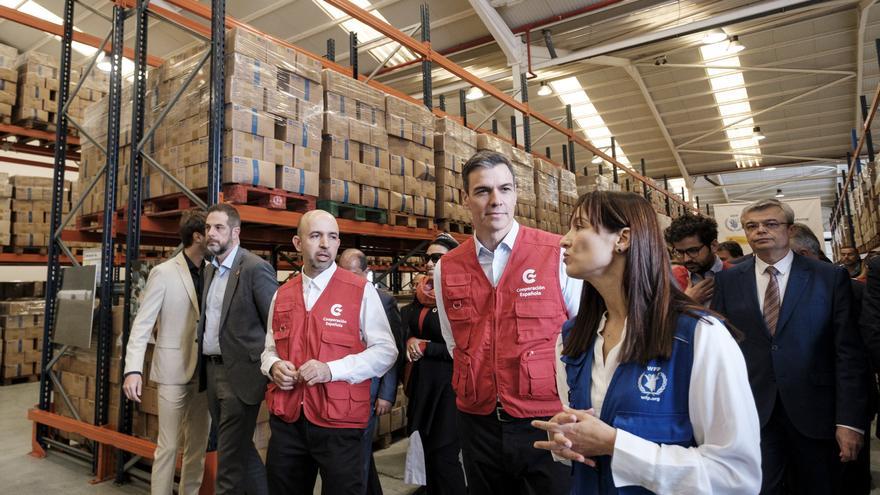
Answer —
727 458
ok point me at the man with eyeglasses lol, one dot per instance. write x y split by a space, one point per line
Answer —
801 348
694 241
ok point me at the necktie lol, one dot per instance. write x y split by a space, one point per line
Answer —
771 300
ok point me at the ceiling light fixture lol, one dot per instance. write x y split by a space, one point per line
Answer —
714 36
779 193
758 134
104 63
474 93
735 46
544 90
770 169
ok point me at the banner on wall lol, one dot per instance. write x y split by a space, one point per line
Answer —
806 210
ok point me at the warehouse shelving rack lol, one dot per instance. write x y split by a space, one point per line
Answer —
138 228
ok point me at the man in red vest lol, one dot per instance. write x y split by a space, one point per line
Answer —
327 337
503 297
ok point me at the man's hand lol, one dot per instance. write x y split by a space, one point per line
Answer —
702 291
414 348
850 443
383 407
133 386
314 372
284 375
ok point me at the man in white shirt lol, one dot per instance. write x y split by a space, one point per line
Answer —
502 297
327 337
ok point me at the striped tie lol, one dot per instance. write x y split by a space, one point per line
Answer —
771 300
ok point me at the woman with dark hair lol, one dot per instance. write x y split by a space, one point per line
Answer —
431 410
654 387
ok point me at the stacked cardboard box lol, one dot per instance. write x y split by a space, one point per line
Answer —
37 89
5 210
411 145
454 144
524 171
547 194
21 327
8 82
354 153
568 196
32 208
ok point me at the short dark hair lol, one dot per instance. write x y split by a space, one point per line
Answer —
803 237
230 211
704 227
484 159
445 240
731 247
358 255
191 222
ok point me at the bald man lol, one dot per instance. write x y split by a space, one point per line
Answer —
327 337
383 391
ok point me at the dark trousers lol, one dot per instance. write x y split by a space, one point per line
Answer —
793 463
372 485
443 470
239 467
499 457
855 476
297 451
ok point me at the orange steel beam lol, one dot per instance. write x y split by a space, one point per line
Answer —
100 434
58 30
866 128
15 130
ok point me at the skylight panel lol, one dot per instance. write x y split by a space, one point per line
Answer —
732 98
366 33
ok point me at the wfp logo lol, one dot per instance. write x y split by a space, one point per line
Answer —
336 310
529 276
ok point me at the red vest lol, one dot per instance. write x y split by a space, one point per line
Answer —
505 337
330 331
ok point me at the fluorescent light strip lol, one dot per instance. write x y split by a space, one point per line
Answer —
570 92
729 90
365 33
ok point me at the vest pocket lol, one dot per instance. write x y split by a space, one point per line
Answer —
460 317
668 428
277 401
531 320
281 336
335 345
463 377
537 374
349 403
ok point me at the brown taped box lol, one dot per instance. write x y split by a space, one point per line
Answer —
370 175
28 306
340 190
32 193
401 165
335 168
19 322
240 170
373 155
75 384
31 216
30 228
241 144
374 197
359 131
336 125
338 147
423 206
400 202
297 180
277 152
242 41
16 370
298 133
307 159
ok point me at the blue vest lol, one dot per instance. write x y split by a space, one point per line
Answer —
648 401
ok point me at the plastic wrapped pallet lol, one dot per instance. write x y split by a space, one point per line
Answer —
8 82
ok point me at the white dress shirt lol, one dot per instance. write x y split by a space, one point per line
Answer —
493 264
381 352
727 458
214 303
763 279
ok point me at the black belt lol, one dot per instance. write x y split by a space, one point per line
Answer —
504 417
214 358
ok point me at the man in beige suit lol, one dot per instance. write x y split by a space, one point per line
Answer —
171 305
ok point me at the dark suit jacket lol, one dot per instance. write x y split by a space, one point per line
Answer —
250 287
870 318
385 387
813 362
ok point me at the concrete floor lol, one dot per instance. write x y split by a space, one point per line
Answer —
22 474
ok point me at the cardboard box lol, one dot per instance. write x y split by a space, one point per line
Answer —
240 40
359 131
74 384
339 147
423 206
277 152
400 165
336 125
243 170
298 133
372 155
340 190
249 120
370 175
374 197
244 93
307 159
242 144
297 180
400 202
335 168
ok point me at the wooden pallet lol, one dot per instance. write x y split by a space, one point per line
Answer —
274 199
15 380
41 250
401 219
454 227
36 124
353 212
6 119
90 221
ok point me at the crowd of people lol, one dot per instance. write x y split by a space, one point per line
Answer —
618 358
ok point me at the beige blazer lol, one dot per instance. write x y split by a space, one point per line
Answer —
169 305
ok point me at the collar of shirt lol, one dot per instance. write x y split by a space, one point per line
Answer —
321 280
189 263
717 266
783 265
227 263
507 242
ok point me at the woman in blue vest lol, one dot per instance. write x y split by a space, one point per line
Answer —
654 387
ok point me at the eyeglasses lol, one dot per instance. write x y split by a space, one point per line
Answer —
691 252
433 258
769 225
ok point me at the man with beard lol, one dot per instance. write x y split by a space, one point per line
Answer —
238 289
328 337
694 241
